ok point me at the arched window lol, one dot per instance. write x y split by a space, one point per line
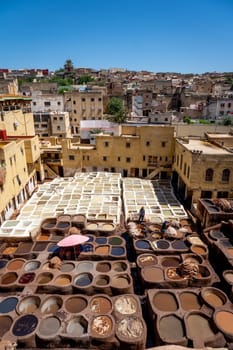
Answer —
209 174
226 175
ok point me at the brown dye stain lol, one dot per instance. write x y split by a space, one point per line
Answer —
224 320
199 327
75 304
30 308
24 248
100 305
189 301
5 322
103 267
171 328
44 279
43 238
198 250
15 265
9 250
165 302
102 250
213 299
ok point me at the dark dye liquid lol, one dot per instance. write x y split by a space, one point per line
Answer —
27 278
83 280
101 240
8 305
25 325
86 248
179 245
142 244
53 248
115 241
117 251
3 263
162 244
63 225
40 246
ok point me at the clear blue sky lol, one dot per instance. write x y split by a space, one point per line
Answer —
156 35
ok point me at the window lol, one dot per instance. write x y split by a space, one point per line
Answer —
222 105
127 145
163 144
60 118
75 111
92 99
54 118
106 143
144 158
209 174
104 158
188 172
44 125
74 102
128 160
119 159
99 99
147 143
71 157
83 99
226 175
21 150
58 103
185 167
58 127
47 104
34 103
229 105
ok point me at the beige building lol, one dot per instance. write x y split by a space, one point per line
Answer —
202 168
141 151
85 104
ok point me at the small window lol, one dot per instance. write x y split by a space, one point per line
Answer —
58 127
147 143
163 144
119 159
83 99
75 111
128 160
58 103
99 99
34 103
104 158
47 103
60 118
54 118
226 175
209 174
71 157
106 143
92 99
74 102
127 145
144 158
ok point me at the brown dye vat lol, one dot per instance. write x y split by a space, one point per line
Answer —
44 278
51 305
40 246
170 262
126 305
15 264
29 305
102 280
198 327
198 249
121 281
152 274
9 250
171 329
9 278
213 297
49 326
43 237
102 250
146 260
62 280
100 305
101 326
224 321
119 266
103 267
189 301
24 248
165 301
5 325
75 304
230 251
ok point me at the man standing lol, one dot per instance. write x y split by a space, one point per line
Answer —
141 215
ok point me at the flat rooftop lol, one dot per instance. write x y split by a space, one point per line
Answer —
206 147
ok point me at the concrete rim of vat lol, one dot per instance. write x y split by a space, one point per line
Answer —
216 292
226 275
22 305
50 301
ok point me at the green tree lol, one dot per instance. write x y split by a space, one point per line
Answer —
83 79
116 110
228 120
187 120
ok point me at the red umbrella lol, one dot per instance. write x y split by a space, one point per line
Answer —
72 240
